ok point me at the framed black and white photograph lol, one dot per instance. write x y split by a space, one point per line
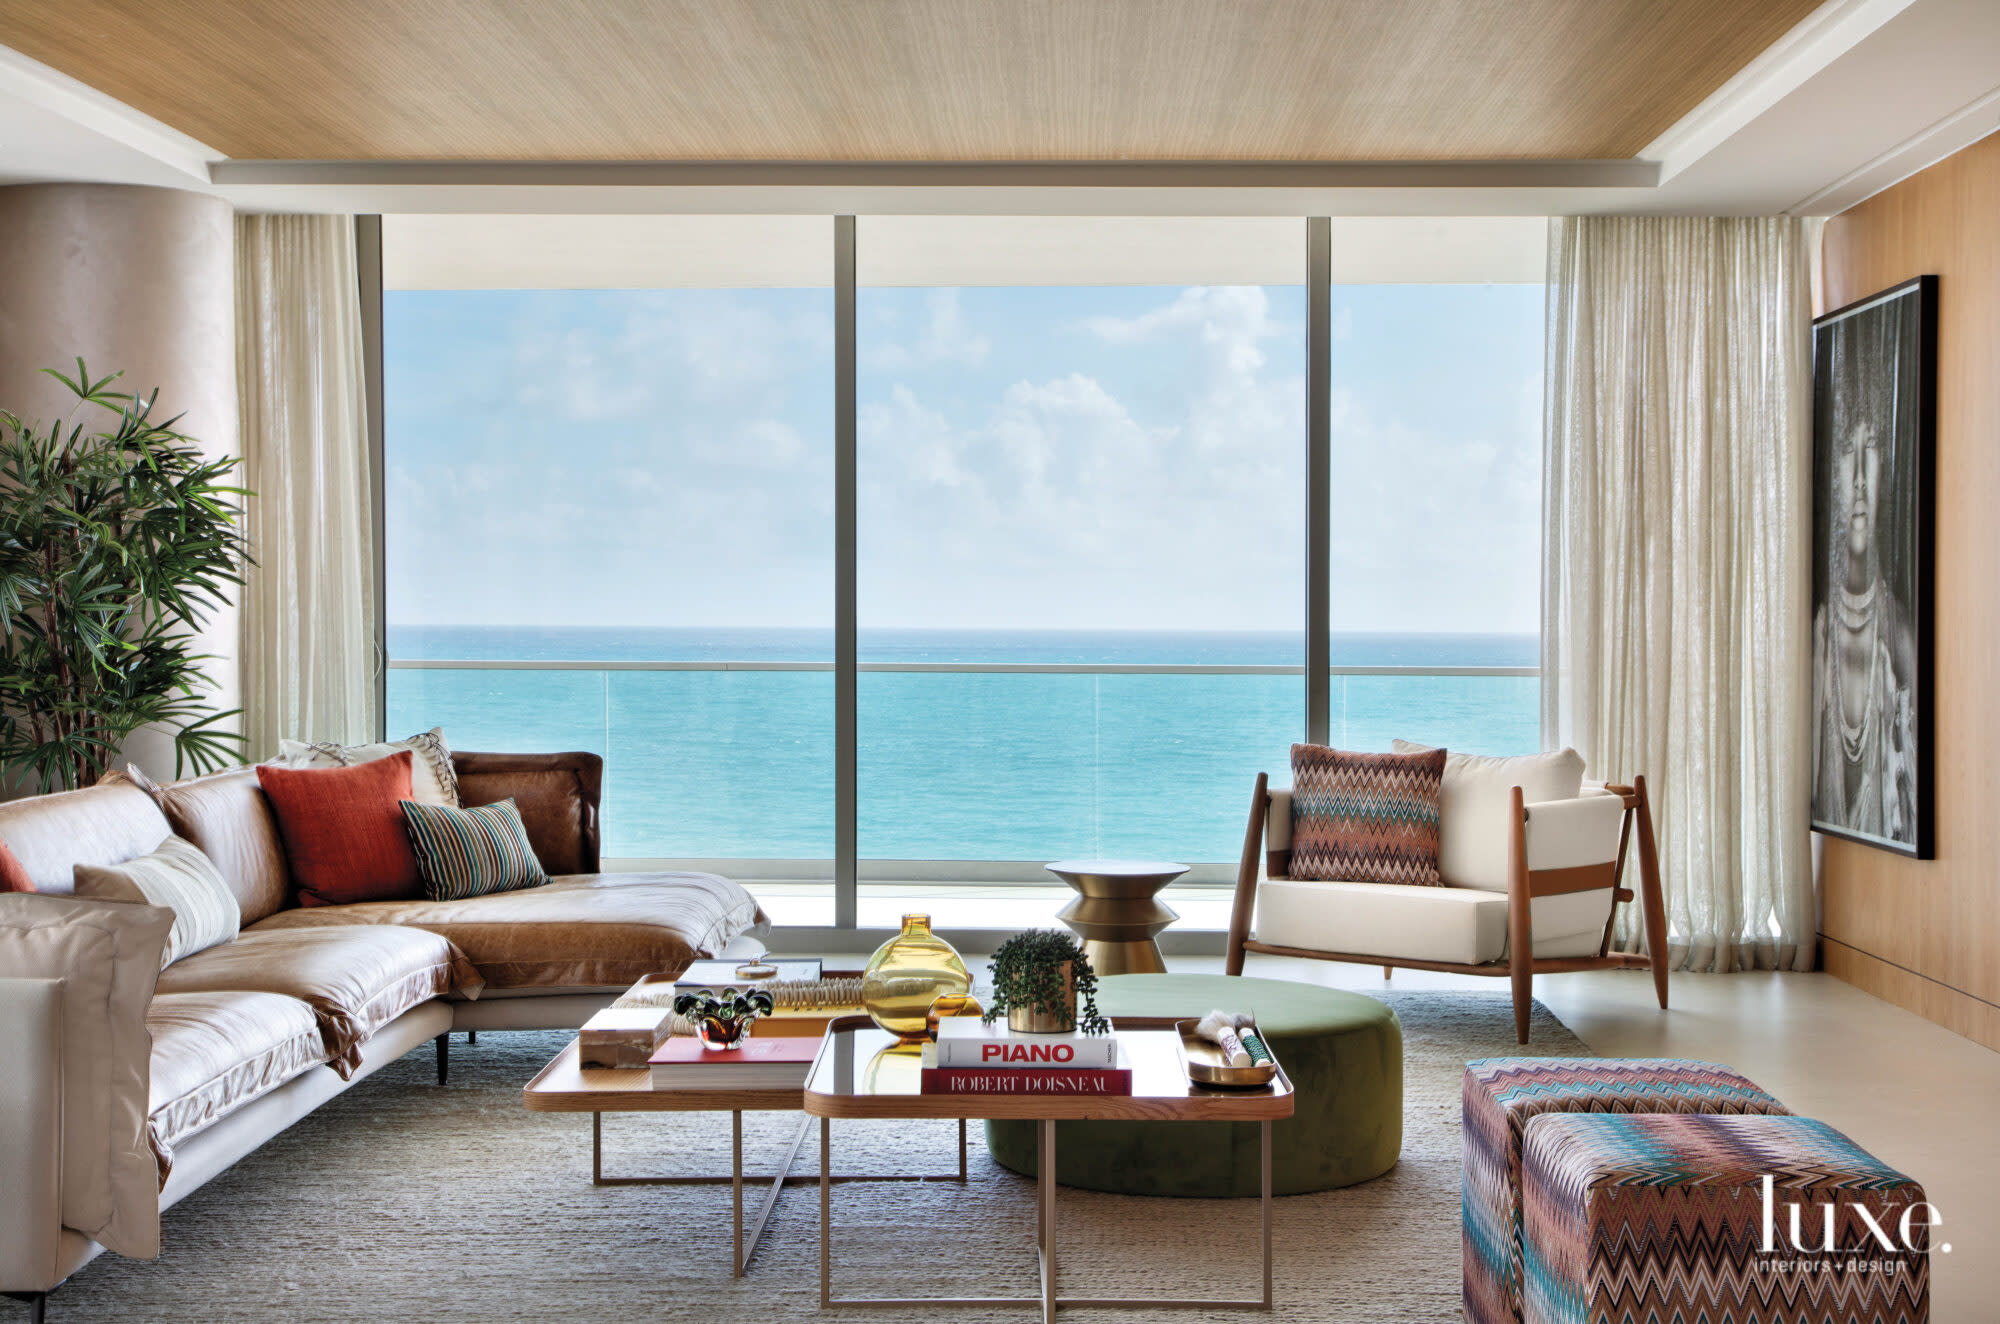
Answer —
1874 503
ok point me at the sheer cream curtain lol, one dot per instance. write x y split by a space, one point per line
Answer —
1676 503
309 610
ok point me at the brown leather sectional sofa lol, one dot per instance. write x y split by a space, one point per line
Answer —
250 1036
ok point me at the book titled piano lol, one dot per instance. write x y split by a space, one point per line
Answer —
1026 1081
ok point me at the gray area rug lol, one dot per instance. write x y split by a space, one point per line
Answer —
402 1201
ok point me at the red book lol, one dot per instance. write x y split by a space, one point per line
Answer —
684 1050
1027 1080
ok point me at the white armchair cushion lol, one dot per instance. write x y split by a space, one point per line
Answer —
1476 803
1567 834
1460 925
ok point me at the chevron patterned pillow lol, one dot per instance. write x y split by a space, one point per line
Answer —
1366 818
471 852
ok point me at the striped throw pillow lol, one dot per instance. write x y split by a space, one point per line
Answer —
182 879
471 852
1366 818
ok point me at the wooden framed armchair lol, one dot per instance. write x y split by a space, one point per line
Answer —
1564 872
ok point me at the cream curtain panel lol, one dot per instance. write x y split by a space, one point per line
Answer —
1677 473
309 611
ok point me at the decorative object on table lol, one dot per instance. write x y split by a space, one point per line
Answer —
1874 509
1116 911
804 998
722 1018
753 1063
1219 1028
757 969
1501 1096
1213 1055
1668 1216
946 1006
623 1036
1040 980
122 539
906 975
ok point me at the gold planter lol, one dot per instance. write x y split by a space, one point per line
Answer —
907 974
1047 1020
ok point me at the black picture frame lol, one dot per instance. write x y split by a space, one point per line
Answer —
1874 518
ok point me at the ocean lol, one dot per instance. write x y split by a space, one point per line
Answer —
732 764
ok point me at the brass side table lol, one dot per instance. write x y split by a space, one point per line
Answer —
1117 912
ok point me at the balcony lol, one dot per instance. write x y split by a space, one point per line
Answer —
970 775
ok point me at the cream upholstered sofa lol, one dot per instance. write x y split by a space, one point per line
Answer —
1531 888
250 1036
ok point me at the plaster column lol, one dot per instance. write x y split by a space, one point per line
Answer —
138 280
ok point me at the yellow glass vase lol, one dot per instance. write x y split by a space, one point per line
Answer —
907 974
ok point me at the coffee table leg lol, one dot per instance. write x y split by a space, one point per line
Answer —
1045 1171
1267 1214
736 1187
825 1212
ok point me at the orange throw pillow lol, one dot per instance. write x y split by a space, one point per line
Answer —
13 874
343 830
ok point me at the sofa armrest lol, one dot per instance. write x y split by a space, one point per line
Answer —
557 795
30 1133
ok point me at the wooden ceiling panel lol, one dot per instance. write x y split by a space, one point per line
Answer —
906 80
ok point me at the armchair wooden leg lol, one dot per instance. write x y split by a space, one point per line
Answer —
1520 922
1653 904
1388 970
1246 878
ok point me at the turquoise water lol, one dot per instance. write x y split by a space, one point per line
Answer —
1009 766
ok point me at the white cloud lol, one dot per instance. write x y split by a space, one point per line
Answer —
945 337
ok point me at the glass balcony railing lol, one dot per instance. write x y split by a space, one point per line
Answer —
959 763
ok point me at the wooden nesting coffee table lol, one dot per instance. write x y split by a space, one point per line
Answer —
564 1086
858 1074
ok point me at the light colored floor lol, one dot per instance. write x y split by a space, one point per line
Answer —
1914 1094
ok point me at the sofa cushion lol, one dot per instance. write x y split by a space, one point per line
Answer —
107 953
13 874
465 853
108 823
214 1052
343 830
581 931
1366 818
178 877
227 817
432 780
1462 925
356 979
1477 805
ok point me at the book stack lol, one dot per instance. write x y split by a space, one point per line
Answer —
781 1062
972 1057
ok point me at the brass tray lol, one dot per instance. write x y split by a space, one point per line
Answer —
1202 1061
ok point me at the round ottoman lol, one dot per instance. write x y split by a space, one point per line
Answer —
1343 1052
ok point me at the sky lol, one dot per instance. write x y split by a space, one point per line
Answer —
1029 457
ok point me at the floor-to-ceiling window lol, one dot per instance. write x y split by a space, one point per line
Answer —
1434 507
609 520
1081 526
1081 503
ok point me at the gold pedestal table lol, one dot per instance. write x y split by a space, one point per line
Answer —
1117 913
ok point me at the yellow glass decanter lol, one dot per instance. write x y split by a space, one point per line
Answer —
907 974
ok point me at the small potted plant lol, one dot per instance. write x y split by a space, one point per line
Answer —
1040 978
721 1019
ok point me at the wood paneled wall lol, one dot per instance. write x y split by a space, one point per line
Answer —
1926 934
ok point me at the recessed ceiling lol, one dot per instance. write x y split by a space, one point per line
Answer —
907 80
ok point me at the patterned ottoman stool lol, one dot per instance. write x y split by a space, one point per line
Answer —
1647 1219
1503 1093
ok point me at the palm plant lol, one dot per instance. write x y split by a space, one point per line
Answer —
118 538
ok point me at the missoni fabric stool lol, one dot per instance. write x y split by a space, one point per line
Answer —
1503 1093
1664 1217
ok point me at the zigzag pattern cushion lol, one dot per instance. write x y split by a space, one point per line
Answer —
472 852
1661 1217
1365 818
1503 1094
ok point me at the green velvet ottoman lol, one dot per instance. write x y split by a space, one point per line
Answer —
1343 1052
